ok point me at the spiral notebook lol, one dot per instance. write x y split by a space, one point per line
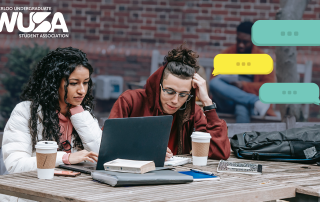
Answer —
236 167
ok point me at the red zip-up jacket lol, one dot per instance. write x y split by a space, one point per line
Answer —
146 102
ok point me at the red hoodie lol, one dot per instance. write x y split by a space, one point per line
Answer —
145 102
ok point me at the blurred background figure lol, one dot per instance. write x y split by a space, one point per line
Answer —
239 94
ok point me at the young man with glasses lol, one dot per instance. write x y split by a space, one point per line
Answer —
171 90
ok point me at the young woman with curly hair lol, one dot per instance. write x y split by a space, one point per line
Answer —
57 105
171 90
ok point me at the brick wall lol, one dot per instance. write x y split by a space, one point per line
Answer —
204 24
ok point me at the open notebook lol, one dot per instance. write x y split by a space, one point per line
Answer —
199 176
177 161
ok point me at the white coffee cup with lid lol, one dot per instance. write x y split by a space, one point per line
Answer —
200 148
46 154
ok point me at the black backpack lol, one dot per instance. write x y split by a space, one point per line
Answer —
301 145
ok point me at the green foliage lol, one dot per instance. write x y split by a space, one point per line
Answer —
21 62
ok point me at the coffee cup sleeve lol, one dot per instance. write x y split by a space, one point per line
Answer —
46 161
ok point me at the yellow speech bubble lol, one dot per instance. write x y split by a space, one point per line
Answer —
242 64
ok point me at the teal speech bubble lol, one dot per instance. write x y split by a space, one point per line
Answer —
286 33
289 93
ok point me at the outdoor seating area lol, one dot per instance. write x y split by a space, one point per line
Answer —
160 100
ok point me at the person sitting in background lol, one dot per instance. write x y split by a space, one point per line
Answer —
239 94
57 106
171 90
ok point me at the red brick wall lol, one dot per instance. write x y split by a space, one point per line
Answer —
204 24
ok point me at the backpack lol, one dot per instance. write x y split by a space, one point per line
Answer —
301 145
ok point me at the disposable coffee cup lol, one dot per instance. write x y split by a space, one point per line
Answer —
200 148
46 154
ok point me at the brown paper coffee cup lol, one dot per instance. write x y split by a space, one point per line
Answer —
46 161
200 149
46 154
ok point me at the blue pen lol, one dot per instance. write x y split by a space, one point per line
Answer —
203 172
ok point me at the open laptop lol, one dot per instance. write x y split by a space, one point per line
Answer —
137 138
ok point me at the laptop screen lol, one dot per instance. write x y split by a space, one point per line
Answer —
137 138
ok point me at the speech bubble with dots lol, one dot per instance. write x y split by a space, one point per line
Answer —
286 33
289 93
242 64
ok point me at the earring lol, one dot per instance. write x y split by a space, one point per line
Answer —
185 106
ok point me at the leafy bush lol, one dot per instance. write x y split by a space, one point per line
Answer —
21 62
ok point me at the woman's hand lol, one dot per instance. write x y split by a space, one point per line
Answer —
200 85
83 155
169 154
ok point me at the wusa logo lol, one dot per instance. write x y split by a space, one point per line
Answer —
37 22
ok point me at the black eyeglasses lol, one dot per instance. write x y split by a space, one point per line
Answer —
66 145
171 93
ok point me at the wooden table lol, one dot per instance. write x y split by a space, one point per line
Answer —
279 180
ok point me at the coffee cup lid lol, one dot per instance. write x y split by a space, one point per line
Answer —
200 135
46 145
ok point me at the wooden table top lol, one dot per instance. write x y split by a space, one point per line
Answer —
279 180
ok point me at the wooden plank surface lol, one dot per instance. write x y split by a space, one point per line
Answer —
305 177
231 187
84 189
305 124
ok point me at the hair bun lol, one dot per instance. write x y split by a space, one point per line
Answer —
184 55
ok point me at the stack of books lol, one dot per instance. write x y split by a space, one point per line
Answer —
122 172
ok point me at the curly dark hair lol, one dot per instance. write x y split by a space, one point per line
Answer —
181 62
43 90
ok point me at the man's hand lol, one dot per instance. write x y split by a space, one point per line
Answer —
200 85
83 155
237 84
169 154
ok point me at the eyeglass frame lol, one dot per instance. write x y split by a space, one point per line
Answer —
175 92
